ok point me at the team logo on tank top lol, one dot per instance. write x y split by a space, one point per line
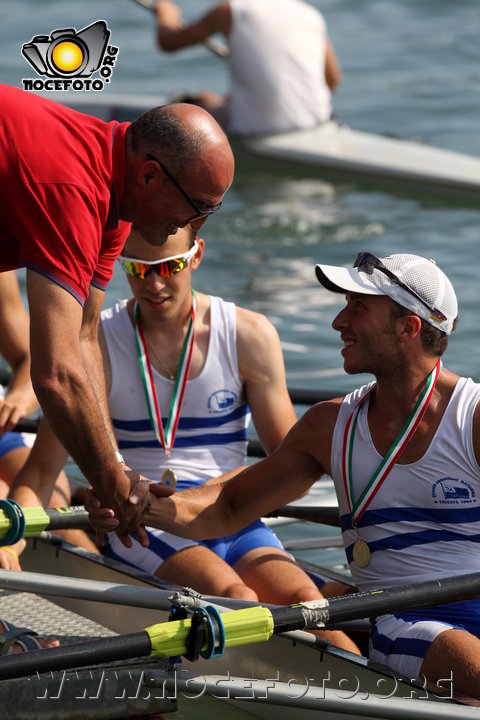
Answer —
221 401
452 491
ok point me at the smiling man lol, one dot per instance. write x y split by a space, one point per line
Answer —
70 185
402 451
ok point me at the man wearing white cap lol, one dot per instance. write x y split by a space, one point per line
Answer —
404 453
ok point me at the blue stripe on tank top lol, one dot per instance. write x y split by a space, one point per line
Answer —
192 441
381 516
406 540
185 423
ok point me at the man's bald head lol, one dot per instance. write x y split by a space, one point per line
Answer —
179 165
180 134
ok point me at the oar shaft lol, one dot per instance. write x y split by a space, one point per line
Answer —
123 647
240 627
168 639
38 519
74 517
405 597
27 425
325 515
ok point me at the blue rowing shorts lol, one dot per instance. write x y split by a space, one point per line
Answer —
402 640
163 545
11 441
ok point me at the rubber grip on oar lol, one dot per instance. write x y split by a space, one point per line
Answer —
36 520
15 521
242 627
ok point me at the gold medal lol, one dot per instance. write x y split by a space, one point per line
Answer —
169 479
361 553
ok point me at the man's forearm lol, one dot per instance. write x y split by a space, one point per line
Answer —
93 364
203 512
68 383
185 514
73 412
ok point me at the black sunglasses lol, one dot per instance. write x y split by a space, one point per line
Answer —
367 262
199 212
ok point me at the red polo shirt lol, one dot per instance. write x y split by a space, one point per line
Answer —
62 176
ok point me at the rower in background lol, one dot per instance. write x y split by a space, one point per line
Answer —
283 68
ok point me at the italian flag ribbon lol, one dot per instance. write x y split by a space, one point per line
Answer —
165 436
358 507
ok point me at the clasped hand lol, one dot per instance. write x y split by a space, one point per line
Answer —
104 520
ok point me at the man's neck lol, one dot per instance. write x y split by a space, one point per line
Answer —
175 326
400 391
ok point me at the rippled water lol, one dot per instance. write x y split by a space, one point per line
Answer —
411 68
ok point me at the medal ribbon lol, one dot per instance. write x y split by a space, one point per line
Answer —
358 507
166 437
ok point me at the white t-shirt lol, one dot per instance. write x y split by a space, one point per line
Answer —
277 67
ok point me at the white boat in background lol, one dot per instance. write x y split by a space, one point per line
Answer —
331 148
352 153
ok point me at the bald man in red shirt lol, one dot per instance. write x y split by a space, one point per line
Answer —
70 188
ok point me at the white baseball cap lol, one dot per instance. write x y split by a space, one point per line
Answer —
414 282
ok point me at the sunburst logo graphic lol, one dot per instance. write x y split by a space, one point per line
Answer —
68 53
68 57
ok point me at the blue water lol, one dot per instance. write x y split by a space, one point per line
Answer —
411 68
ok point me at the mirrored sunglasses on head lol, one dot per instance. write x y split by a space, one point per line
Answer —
166 267
367 262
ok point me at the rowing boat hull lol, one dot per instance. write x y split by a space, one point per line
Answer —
352 153
300 663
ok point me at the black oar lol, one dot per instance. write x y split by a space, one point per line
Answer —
325 515
32 521
217 48
27 425
240 627
301 396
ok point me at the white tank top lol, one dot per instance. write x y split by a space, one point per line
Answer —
277 67
211 436
424 522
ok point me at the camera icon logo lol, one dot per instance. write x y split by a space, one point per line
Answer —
68 53
70 58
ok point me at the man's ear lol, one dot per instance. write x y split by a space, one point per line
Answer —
197 258
409 326
149 171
